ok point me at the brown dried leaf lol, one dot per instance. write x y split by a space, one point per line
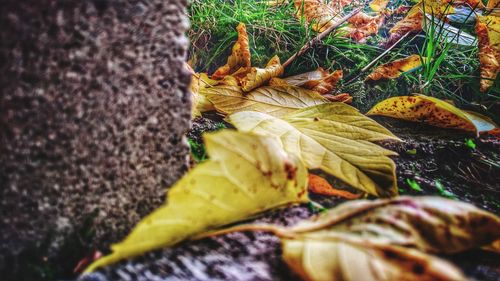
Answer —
329 257
430 224
256 77
488 32
317 13
396 68
240 56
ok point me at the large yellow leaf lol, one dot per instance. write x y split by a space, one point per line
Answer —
257 77
430 224
488 32
333 137
245 175
273 100
317 13
349 259
431 111
396 68
240 56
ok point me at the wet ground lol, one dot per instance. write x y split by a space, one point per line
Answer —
440 161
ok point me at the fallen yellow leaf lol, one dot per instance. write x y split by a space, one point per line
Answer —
335 257
273 100
430 224
333 137
245 175
431 111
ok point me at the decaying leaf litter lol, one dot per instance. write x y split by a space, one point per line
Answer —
303 121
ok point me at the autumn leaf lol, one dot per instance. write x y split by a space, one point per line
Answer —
318 14
430 224
395 68
431 111
361 26
245 175
333 137
410 24
345 98
320 185
320 80
240 56
256 77
273 100
347 258
306 77
378 5
488 32
199 81
413 21
493 8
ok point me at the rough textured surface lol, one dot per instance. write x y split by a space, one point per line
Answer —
93 110
257 256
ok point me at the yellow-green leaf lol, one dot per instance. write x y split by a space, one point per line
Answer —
431 111
245 175
429 224
333 137
396 68
273 100
323 258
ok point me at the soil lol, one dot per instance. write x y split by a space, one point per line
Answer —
426 155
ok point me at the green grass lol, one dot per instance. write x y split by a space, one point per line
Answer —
451 74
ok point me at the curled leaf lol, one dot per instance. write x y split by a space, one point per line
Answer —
431 111
317 13
429 224
345 98
257 77
333 137
320 185
240 56
245 175
395 68
322 258
320 81
410 24
488 32
361 26
273 100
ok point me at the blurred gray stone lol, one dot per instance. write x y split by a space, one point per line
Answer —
93 112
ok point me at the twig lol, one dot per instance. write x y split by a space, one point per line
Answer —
320 36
